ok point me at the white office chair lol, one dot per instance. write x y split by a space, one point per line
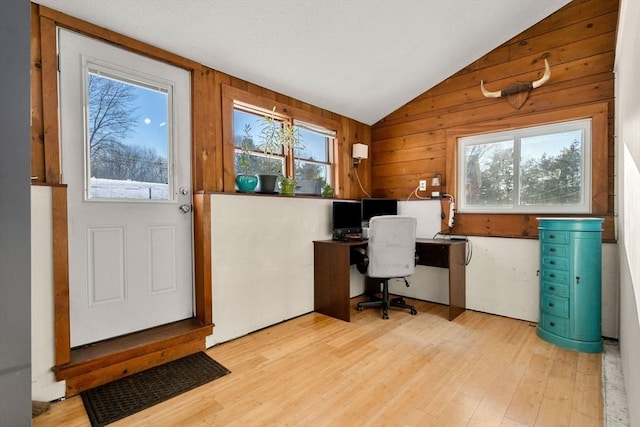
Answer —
391 253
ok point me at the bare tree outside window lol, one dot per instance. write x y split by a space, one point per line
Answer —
121 148
539 169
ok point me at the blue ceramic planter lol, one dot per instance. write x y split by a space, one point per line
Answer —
246 183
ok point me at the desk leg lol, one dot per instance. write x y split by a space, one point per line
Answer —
457 281
331 277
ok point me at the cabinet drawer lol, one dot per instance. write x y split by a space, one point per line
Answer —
555 288
553 304
548 236
555 275
553 324
555 262
555 250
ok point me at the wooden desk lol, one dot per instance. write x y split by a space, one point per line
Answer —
331 273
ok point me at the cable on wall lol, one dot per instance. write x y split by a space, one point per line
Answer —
355 168
415 192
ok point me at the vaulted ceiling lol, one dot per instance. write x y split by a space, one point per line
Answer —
359 58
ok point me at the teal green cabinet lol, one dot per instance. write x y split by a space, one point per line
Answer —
571 282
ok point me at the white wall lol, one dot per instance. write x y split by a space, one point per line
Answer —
263 276
502 279
262 251
43 384
627 109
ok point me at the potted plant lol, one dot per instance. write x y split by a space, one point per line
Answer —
327 191
246 181
274 137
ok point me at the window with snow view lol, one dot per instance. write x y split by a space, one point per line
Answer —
128 136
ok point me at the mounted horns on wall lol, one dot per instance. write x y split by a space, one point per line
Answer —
518 93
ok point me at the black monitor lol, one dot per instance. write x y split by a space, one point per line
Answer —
347 217
375 207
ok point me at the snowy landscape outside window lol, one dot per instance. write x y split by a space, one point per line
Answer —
128 137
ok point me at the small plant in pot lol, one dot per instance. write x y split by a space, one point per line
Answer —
274 137
245 181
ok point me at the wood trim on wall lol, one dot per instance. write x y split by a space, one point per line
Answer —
49 59
202 258
60 274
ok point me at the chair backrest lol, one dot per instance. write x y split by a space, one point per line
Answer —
392 246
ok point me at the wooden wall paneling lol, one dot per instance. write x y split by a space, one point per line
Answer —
202 257
228 147
239 84
37 126
255 90
364 136
423 152
356 182
514 225
576 72
60 275
221 79
574 60
201 123
595 69
48 37
499 108
600 161
580 31
268 93
570 14
343 161
360 133
383 147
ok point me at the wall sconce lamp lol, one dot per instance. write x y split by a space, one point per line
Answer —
436 181
359 152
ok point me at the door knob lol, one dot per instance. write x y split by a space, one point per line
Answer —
185 208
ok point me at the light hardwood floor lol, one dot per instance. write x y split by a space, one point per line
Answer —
478 370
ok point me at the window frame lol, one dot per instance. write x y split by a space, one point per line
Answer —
232 97
516 136
525 225
260 112
329 148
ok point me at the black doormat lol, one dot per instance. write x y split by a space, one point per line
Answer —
126 396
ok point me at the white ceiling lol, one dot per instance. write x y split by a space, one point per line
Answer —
359 58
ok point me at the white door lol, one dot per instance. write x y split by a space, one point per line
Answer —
125 129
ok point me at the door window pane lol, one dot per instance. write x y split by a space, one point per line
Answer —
128 137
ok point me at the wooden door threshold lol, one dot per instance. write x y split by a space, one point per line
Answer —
109 360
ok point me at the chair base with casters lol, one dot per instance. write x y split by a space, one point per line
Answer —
385 302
